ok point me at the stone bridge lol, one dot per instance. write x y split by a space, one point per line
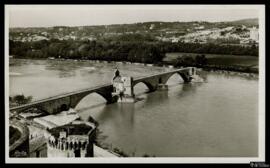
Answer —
63 102
154 81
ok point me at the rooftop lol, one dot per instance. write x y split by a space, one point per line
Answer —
74 128
62 118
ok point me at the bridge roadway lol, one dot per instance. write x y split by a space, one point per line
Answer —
60 96
62 102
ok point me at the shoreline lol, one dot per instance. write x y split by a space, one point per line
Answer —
240 69
231 68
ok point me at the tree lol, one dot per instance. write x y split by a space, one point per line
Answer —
189 60
21 99
200 60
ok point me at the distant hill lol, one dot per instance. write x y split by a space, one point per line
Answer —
146 25
247 22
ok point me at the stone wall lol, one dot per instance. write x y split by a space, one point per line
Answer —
62 148
20 148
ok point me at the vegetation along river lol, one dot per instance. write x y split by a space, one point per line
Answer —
218 117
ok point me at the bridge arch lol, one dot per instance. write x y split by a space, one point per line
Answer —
76 99
149 85
183 75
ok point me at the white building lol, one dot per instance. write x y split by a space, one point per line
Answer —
152 26
254 34
199 27
175 40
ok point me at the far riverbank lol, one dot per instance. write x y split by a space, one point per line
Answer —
214 66
235 63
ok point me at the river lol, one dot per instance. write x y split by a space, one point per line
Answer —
216 118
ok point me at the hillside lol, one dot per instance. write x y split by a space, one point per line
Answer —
235 32
145 27
247 22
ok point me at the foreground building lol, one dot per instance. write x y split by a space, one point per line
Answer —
72 140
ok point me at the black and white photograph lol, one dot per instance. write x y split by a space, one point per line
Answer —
135 83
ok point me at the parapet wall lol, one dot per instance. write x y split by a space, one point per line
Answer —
66 148
67 144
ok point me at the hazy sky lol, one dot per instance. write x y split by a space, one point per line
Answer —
79 15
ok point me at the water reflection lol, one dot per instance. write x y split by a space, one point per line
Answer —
155 98
122 114
127 114
202 74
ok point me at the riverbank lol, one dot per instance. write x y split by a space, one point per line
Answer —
170 64
115 150
240 69
236 63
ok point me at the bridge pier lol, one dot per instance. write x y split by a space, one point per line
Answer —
162 87
126 99
123 89
113 99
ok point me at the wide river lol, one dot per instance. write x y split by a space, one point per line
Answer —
218 117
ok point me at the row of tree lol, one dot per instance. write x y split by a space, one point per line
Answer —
209 48
144 52
198 61
122 49
202 62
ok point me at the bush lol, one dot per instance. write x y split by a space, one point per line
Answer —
200 60
184 61
20 99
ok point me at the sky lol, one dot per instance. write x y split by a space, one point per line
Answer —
81 15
